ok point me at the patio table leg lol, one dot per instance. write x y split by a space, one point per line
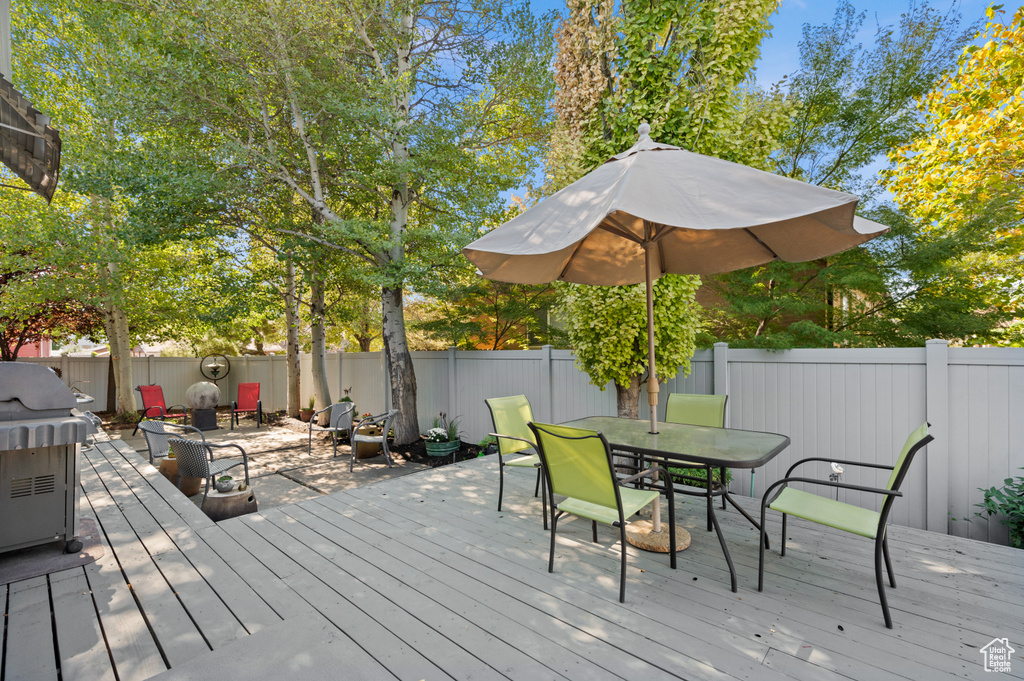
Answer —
725 548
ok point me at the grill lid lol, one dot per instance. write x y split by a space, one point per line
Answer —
32 391
35 408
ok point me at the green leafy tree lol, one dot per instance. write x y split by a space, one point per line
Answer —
397 125
684 68
43 286
850 106
961 182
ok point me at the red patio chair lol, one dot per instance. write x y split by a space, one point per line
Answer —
154 407
248 400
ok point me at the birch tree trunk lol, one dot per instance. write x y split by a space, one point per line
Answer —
399 367
318 339
396 347
291 316
115 323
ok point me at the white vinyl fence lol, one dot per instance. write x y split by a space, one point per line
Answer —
840 403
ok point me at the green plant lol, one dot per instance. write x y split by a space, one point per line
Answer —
125 417
312 403
444 430
486 444
697 477
1009 502
224 478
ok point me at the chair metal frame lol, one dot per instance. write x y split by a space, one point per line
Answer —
889 493
337 423
384 421
195 460
523 461
236 410
157 437
617 484
163 411
711 488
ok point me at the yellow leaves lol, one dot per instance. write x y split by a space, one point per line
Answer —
974 119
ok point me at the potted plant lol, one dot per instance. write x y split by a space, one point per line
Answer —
225 483
443 439
307 414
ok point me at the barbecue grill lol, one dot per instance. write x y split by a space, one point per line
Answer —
41 434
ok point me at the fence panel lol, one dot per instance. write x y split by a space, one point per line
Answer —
855 404
841 404
986 397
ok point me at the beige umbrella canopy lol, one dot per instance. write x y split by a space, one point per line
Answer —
658 209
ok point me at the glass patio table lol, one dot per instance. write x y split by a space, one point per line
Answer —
678 443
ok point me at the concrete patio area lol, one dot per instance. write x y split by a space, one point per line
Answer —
283 471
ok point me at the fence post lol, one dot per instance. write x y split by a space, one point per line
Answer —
937 413
549 385
453 383
65 371
721 364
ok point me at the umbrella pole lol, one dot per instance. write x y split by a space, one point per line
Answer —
652 376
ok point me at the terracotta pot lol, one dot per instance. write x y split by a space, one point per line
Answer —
305 414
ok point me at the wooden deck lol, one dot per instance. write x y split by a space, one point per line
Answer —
420 578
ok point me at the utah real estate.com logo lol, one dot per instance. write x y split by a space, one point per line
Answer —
997 654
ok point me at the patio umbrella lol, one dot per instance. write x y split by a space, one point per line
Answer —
658 209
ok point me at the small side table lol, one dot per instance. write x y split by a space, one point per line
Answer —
368 450
221 506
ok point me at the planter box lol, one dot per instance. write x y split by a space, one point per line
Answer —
443 448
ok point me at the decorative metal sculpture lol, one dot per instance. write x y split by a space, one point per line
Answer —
215 367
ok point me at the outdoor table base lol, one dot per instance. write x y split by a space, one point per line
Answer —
691 446
641 534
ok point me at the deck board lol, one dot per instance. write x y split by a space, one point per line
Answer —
420 577
83 652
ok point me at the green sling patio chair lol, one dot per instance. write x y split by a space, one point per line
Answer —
516 444
699 410
842 516
577 465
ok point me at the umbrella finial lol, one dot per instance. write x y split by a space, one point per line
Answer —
644 130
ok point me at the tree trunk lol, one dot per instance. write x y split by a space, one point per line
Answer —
115 322
318 338
396 346
628 399
399 367
291 317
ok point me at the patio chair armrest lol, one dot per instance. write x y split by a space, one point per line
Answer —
188 428
830 483
650 473
234 405
845 462
316 413
210 446
513 437
373 420
180 406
